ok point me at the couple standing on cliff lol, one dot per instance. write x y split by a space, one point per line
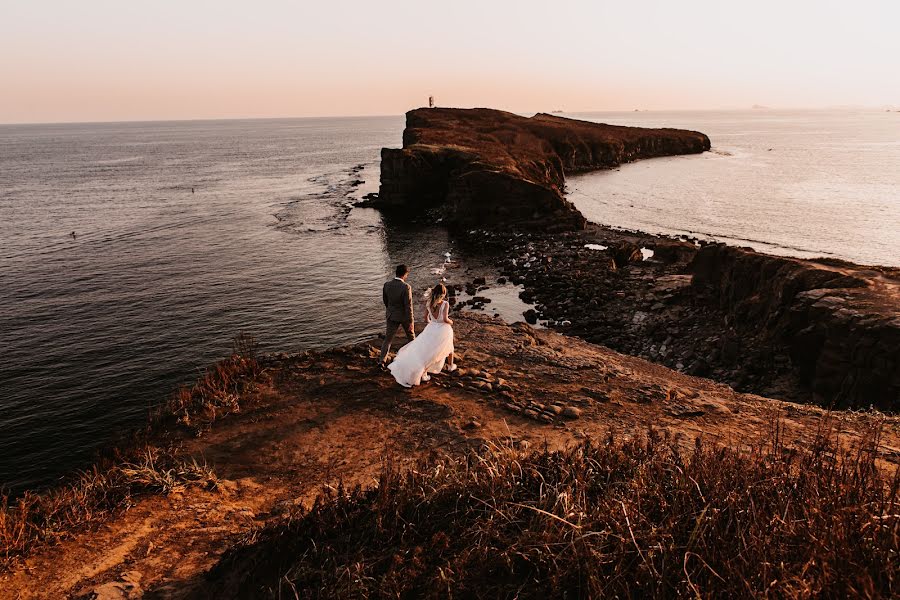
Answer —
426 353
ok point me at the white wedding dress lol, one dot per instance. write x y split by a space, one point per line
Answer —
426 353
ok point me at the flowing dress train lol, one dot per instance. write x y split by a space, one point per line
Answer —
426 353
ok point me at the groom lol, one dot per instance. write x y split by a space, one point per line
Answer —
397 296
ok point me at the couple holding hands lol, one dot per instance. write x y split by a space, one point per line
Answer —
431 349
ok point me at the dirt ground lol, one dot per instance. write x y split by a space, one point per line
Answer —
334 418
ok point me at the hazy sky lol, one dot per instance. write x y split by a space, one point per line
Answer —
106 60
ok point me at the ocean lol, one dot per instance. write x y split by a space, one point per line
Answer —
188 233
795 183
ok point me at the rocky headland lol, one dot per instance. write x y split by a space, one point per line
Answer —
810 330
488 168
664 422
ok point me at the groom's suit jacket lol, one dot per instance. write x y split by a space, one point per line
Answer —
397 296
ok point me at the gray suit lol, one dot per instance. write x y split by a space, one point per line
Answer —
398 312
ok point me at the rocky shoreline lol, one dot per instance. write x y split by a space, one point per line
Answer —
643 332
820 331
802 330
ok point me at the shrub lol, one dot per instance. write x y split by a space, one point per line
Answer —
218 390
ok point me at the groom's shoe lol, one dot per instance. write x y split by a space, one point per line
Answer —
382 366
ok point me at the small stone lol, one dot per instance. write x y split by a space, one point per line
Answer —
228 485
571 412
555 409
126 587
688 413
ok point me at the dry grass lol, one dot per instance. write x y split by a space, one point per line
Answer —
613 519
34 519
136 467
218 390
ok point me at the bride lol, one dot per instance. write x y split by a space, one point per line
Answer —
428 351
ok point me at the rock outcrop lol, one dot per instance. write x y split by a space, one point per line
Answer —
840 322
489 168
813 331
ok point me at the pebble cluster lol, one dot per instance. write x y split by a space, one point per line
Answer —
491 384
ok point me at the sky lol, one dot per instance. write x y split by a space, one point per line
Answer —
114 60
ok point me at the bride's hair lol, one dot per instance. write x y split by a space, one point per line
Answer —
437 295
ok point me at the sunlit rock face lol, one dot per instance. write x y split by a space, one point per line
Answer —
489 168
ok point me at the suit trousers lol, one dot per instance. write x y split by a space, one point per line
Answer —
391 332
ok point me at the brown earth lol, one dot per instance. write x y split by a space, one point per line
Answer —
486 168
332 417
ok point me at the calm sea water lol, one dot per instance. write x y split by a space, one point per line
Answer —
187 233
810 183
158 279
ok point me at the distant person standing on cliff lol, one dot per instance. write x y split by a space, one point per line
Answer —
397 297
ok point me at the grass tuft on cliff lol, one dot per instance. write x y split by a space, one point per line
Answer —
219 389
33 519
611 519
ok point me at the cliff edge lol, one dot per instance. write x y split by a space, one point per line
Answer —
488 167
840 322
317 423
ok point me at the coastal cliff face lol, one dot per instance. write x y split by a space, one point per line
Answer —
840 322
491 168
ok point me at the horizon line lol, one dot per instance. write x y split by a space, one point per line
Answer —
752 108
